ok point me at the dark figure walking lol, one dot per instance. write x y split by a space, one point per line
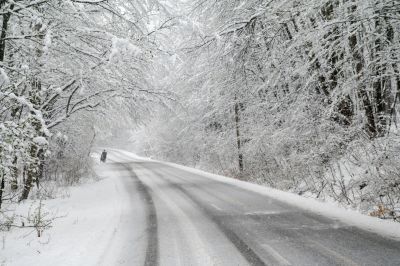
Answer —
103 156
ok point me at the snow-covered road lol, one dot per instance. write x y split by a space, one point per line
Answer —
143 212
193 219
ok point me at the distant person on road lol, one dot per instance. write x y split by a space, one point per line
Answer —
103 156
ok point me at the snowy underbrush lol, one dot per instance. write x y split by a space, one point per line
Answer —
29 228
32 215
75 225
70 171
367 178
352 171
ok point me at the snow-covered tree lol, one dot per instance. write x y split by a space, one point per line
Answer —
300 95
62 60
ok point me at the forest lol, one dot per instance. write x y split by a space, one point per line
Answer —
296 95
66 68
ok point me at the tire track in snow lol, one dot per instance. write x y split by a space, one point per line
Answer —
247 252
152 252
274 256
195 251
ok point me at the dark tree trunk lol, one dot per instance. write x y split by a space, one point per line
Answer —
361 90
14 174
2 186
381 107
345 106
238 135
393 117
40 172
3 35
381 84
34 169
31 175
322 85
346 111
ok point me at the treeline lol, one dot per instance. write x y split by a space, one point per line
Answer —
66 67
298 95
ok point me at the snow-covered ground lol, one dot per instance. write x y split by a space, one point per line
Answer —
92 230
104 222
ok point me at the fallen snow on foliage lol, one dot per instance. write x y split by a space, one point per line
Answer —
4 79
123 47
41 141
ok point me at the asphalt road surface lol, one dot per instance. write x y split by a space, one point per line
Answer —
194 220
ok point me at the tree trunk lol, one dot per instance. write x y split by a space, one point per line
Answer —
31 174
382 84
40 172
3 35
34 169
14 174
361 90
393 117
238 136
2 186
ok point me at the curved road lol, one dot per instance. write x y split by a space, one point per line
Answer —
193 220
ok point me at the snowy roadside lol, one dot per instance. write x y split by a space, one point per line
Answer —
385 228
91 230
